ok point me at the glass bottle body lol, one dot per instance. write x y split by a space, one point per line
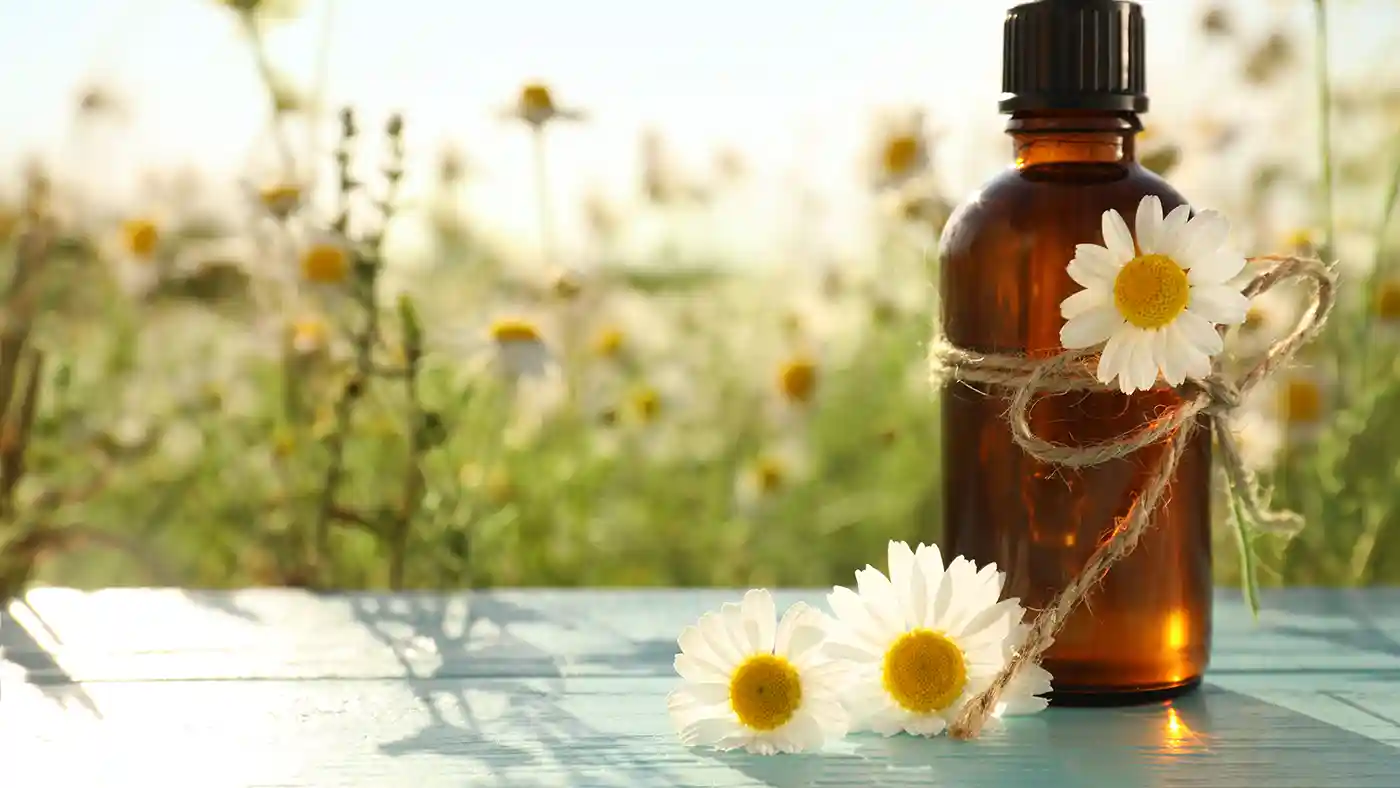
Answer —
1144 633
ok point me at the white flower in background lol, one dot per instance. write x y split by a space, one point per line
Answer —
751 684
922 642
1155 302
520 349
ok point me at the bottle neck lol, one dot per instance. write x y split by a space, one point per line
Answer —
1070 137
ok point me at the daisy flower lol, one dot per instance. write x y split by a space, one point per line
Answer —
751 684
922 642
1154 299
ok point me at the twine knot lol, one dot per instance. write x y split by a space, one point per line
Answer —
1222 396
1214 397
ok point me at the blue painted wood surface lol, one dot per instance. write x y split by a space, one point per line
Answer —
150 687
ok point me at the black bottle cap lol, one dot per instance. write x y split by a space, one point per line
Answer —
1074 54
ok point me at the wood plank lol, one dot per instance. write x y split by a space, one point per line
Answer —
281 634
510 732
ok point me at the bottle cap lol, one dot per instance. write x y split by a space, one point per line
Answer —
1074 54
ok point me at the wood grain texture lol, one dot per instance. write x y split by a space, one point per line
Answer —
566 688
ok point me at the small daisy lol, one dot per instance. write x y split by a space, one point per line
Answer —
753 685
923 641
535 105
521 350
797 379
1155 299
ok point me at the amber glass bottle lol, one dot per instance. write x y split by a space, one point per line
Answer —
1075 90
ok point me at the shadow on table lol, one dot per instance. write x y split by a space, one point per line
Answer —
20 647
1213 738
515 686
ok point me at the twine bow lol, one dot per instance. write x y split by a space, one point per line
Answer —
1213 397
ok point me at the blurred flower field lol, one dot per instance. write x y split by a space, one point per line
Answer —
215 392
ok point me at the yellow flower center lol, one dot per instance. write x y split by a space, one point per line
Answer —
765 692
566 286
310 334
901 154
280 199
140 238
535 99
1253 319
797 380
9 222
325 263
1299 239
1388 301
646 403
1301 402
608 343
769 475
924 671
1151 290
514 330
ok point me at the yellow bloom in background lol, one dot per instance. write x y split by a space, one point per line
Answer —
1302 403
645 404
9 222
565 285
310 335
609 342
325 263
797 380
536 106
768 475
520 348
1386 306
280 200
140 239
1300 241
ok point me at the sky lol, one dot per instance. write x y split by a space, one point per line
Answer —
791 86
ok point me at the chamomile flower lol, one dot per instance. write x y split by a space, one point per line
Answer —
923 641
1154 299
751 684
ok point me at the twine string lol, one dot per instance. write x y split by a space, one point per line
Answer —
1211 399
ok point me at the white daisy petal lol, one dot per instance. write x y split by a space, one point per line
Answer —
759 613
1169 236
1204 234
1172 349
1215 267
1114 358
1085 301
698 671
800 634
1200 333
1117 237
1093 265
1219 304
1144 362
733 617
712 627
1148 223
693 643
1090 328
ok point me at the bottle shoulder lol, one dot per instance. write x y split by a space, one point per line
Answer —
1021 200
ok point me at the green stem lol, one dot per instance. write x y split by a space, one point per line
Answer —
1378 267
1324 95
542 196
1249 570
269 81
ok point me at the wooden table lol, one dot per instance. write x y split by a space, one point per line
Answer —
566 688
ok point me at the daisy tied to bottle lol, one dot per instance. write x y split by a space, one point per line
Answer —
1102 337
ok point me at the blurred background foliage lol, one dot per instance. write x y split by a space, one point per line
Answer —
219 391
